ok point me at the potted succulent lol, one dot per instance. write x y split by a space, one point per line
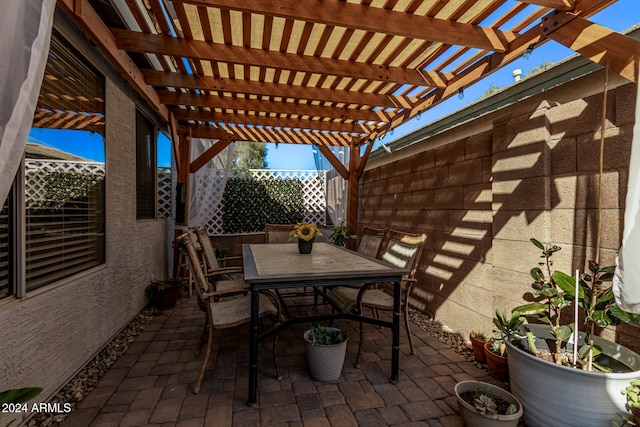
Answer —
165 293
326 350
486 405
306 233
557 383
632 394
478 339
495 351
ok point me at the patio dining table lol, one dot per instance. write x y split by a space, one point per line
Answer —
281 266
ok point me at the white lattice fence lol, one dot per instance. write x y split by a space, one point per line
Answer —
37 171
164 193
313 185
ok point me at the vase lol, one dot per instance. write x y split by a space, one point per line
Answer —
305 246
478 348
326 361
559 395
498 366
473 418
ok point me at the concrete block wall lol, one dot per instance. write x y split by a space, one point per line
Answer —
481 190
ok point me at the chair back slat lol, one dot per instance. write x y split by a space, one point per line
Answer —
370 241
208 251
402 249
277 233
194 263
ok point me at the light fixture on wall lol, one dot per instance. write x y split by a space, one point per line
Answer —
461 93
529 51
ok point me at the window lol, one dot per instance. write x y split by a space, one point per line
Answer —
5 243
64 174
145 168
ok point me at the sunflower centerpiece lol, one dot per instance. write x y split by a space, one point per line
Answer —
306 233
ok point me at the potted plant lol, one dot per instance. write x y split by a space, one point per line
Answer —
165 293
506 328
340 235
632 394
486 405
478 339
326 350
306 233
557 383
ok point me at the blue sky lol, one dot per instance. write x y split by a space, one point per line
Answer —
620 16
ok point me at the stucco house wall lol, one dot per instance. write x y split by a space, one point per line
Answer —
50 334
483 188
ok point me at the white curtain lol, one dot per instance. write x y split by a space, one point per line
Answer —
206 186
626 282
25 32
335 186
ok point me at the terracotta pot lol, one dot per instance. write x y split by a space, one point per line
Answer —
478 348
497 365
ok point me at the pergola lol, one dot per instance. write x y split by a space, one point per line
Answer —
325 72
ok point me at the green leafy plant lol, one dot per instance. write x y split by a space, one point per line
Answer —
633 394
340 235
555 290
480 335
18 395
320 335
161 285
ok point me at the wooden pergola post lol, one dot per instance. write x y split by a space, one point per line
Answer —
182 188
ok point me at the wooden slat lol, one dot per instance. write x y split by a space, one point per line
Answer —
191 81
237 118
358 17
165 45
174 98
599 44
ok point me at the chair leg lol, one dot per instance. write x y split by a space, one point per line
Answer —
203 337
275 361
406 324
359 357
207 354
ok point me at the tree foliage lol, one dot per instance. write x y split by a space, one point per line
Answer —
250 155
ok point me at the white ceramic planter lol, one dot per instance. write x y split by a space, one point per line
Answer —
326 361
471 416
555 395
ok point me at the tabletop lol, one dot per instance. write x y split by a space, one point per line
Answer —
282 262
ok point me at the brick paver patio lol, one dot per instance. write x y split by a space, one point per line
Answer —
151 384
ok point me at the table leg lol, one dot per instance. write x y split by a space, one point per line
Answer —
253 349
395 346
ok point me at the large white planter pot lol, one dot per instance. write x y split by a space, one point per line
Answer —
326 361
471 416
555 395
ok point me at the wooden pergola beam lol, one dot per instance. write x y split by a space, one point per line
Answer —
378 20
238 118
335 162
595 42
210 83
297 109
553 4
166 45
210 153
257 134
